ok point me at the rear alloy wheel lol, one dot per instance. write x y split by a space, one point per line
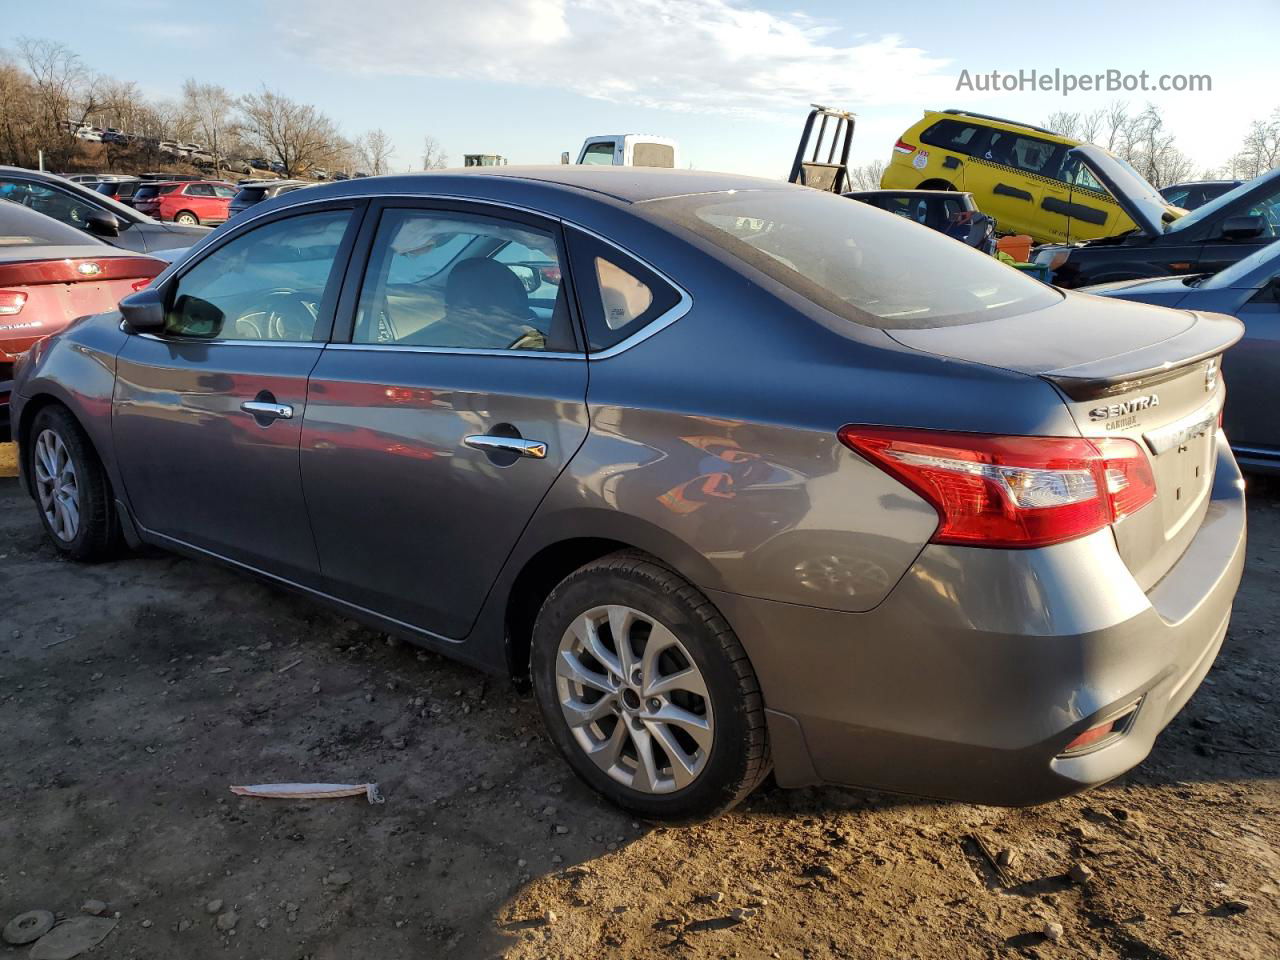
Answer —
647 692
187 219
71 488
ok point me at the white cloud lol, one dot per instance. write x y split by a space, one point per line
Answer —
686 55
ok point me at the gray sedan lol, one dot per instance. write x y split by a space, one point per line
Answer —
1249 290
738 475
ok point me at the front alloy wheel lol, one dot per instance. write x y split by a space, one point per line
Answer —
71 488
57 486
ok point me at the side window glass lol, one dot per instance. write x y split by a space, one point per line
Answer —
200 190
224 191
599 153
453 280
266 284
951 135
619 296
52 203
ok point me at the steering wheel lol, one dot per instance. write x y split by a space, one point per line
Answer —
287 318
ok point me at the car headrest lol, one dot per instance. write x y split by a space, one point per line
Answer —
485 285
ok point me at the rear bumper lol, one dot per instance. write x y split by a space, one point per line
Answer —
971 678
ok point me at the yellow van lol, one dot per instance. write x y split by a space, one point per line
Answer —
1019 174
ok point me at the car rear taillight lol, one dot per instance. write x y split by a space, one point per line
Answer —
550 274
140 284
11 302
1011 491
903 147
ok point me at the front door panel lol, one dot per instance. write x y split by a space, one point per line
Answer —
199 468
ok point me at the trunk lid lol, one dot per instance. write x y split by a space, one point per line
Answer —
1127 370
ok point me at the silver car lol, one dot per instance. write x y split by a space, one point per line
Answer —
738 475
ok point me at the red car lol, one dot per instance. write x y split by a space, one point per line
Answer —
188 203
50 274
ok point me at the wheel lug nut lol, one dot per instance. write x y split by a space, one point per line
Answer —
636 678
654 704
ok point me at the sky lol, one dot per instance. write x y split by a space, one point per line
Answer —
730 80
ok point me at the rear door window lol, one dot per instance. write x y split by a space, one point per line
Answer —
449 280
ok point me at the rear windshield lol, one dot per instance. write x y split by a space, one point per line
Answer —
251 194
152 190
860 263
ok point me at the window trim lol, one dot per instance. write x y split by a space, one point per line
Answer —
362 238
358 266
333 286
683 304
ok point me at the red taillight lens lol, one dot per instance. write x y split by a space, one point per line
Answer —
903 147
550 274
140 284
1011 491
1129 482
11 302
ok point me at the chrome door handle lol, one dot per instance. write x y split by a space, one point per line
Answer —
534 449
273 411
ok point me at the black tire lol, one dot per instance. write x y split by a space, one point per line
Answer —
937 185
98 536
738 759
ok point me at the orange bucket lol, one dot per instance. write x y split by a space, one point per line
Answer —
1017 246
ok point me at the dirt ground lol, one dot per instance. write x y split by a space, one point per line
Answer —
133 694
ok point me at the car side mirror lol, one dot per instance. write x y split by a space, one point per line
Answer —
564 156
1244 227
102 224
144 311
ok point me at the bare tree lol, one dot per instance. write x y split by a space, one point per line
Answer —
64 91
211 111
867 176
19 112
375 149
433 155
296 134
1260 151
1064 123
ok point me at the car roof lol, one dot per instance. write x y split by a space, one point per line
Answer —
625 184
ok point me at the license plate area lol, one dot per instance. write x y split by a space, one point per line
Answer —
1183 461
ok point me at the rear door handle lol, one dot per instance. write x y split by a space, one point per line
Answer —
533 449
267 411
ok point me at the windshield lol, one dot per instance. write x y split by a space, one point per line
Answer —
1202 213
860 263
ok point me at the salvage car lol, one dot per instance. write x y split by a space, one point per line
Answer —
85 209
754 490
1213 236
1250 291
1029 178
49 274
